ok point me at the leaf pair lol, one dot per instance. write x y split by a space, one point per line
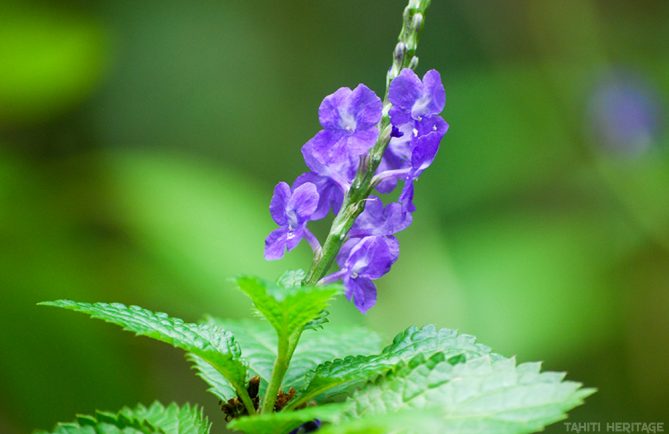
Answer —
286 305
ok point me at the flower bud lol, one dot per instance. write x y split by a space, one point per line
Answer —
400 51
417 21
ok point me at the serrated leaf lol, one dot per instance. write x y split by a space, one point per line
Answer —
483 395
283 422
343 374
259 342
155 419
210 343
287 308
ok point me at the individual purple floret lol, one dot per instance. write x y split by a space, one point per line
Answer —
363 260
370 258
418 130
413 99
291 210
350 128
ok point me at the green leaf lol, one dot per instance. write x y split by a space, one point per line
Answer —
218 385
422 421
259 342
283 422
482 395
155 419
287 308
210 343
340 375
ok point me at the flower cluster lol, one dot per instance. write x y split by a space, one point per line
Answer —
350 121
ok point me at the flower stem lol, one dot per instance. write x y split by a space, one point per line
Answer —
285 351
404 56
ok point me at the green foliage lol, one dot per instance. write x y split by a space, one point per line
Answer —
155 419
208 342
287 308
427 380
344 374
437 394
483 395
259 343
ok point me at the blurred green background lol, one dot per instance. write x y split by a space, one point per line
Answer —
140 142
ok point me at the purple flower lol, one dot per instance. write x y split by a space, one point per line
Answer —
379 220
349 119
413 99
361 261
291 210
418 131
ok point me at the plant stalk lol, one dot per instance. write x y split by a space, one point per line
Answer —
285 351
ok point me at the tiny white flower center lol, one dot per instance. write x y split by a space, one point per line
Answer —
291 215
419 106
347 121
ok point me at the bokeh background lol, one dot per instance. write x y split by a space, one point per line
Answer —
140 142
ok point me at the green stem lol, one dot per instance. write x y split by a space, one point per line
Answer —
247 401
404 56
285 351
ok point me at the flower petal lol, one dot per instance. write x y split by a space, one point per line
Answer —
277 206
372 256
426 144
360 142
326 154
345 251
406 197
328 112
363 292
380 220
304 201
433 96
275 244
405 90
365 107
329 192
